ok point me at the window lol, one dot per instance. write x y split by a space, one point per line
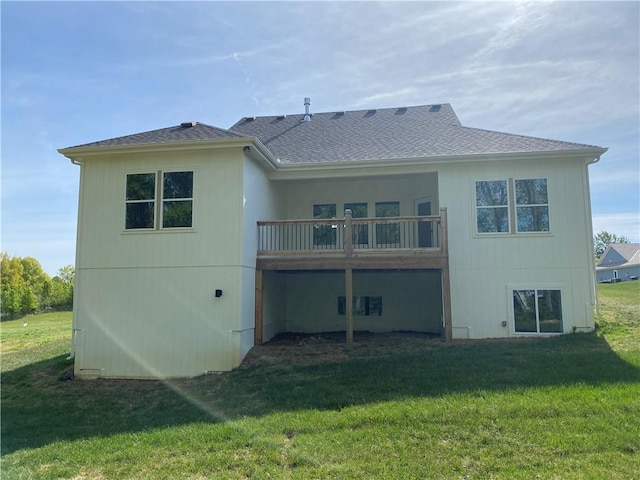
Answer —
171 201
360 232
140 201
537 311
492 204
364 306
496 214
387 233
532 205
177 199
324 235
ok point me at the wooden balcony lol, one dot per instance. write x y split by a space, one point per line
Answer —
359 243
354 244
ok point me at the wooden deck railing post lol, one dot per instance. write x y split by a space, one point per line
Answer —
259 308
348 274
446 285
348 233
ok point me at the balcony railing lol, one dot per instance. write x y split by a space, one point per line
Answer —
351 236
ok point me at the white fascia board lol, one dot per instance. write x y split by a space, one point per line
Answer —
78 154
262 153
301 171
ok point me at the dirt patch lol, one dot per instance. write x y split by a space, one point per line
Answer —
306 349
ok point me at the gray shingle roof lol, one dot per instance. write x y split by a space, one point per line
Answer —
627 254
186 132
410 132
382 134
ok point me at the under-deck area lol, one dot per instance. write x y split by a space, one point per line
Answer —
395 270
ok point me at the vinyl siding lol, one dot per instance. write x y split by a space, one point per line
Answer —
146 305
483 266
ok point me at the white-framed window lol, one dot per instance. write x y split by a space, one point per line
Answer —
537 311
159 200
532 205
492 206
512 206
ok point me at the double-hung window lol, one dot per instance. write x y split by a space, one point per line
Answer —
159 200
492 206
532 205
512 206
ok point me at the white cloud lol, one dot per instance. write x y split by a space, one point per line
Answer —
627 224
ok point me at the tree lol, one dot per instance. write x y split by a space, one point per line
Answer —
12 285
25 287
62 287
67 274
603 239
37 282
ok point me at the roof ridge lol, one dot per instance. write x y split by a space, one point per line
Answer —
333 112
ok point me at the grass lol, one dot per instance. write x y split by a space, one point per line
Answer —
564 407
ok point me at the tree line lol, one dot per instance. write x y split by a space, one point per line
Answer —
26 288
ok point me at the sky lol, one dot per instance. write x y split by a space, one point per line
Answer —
77 72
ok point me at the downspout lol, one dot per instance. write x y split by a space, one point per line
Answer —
74 328
593 275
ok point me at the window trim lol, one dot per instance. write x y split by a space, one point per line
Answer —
508 206
536 286
512 207
159 200
516 205
153 200
164 200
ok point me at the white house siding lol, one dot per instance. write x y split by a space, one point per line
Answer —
157 322
485 268
407 189
411 300
262 200
146 305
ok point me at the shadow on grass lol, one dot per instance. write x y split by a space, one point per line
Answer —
39 407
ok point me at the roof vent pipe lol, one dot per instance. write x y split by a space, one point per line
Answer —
307 104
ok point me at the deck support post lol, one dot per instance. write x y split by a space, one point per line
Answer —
446 286
348 274
259 308
348 277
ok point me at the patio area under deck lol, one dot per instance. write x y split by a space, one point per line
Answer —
348 244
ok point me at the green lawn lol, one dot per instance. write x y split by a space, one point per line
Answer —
564 407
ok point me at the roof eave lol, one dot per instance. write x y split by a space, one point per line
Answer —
262 153
154 147
345 168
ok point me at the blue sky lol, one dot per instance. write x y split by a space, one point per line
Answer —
76 72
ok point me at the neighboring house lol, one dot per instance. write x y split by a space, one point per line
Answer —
619 262
195 243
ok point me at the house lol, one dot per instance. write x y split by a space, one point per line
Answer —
195 243
619 262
